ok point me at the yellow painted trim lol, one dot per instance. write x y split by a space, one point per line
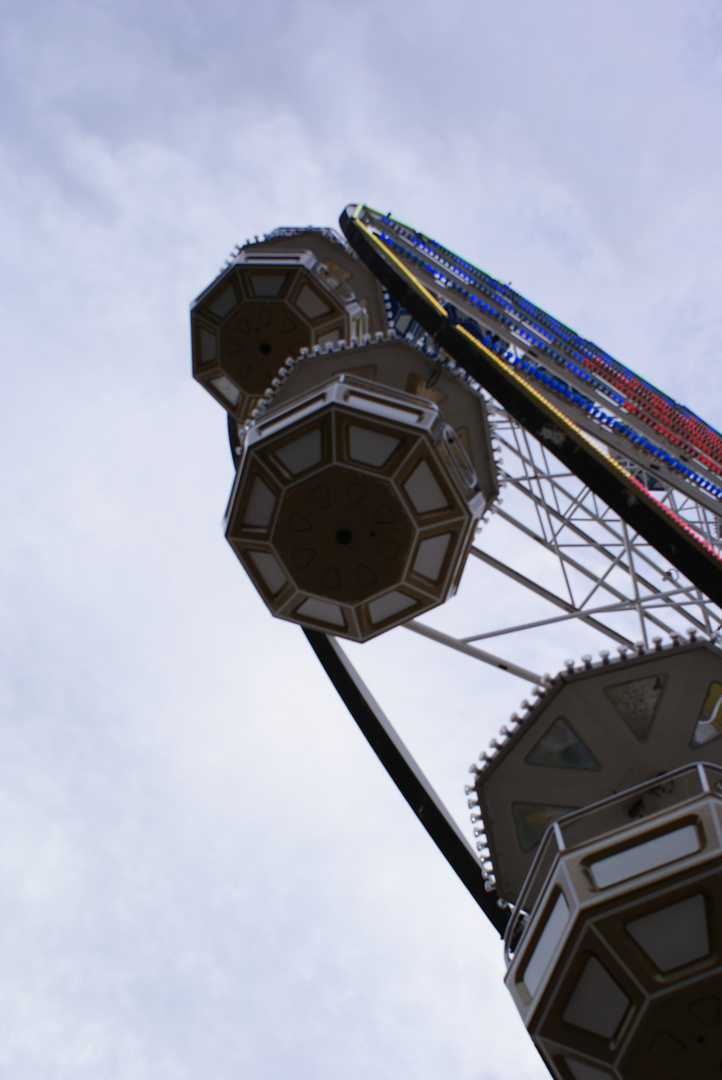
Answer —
571 427
557 414
398 265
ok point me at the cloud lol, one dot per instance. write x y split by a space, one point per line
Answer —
203 869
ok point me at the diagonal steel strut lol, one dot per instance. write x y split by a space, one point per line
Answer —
406 774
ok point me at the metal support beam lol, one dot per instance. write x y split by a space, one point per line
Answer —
535 587
471 650
406 774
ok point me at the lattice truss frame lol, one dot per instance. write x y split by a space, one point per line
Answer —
598 574
608 578
587 580
592 571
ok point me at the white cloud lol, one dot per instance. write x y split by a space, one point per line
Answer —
203 869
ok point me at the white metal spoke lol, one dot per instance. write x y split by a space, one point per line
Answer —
635 583
469 650
558 601
549 508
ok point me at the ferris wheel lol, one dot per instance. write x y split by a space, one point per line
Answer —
406 428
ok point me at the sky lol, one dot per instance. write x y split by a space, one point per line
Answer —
204 872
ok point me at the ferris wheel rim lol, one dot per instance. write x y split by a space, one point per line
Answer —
620 490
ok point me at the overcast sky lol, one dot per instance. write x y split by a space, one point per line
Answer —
204 873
